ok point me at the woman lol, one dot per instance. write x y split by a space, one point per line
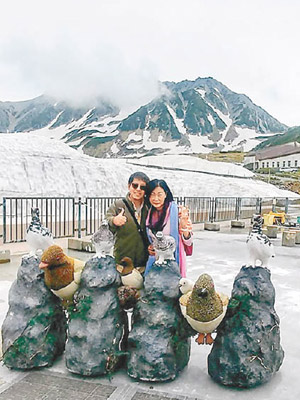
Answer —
164 215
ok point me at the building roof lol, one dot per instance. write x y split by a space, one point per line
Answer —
278 151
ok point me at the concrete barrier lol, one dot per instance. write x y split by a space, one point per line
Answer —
211 226
288 238
4 256
237 224
83 244
75 244
297 237
272 231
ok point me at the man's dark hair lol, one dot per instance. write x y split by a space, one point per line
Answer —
138 175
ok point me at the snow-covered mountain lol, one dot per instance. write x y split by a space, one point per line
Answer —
188 117
32 165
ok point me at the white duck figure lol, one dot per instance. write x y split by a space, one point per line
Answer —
164 247
103 240
38 237
186 287
130 276
259 245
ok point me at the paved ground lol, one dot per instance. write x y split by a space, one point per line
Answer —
51 386
219 253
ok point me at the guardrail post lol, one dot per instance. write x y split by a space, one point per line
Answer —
79 218
212 209
286 207
238 202
4 220
258 205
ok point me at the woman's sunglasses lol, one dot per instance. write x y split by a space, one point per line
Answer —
136 185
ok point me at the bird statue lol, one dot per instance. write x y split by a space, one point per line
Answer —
130 276
186 287
259 245
164 247
103 240
38 237
61 273
205 308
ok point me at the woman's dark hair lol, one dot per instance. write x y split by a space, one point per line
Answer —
154 183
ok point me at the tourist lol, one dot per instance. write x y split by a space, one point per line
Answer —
127 219
165 215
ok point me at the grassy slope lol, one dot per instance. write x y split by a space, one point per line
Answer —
291 135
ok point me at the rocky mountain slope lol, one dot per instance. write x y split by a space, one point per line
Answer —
188 117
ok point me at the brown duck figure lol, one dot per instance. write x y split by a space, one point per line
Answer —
61 273
205 308
130 276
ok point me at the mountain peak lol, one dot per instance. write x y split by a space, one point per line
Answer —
202 115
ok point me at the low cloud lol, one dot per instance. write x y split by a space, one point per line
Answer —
79 74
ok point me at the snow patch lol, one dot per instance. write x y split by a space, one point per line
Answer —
202 92
190 163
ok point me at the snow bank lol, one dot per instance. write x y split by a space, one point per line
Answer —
33 165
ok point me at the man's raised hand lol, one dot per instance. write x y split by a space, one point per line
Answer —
120 219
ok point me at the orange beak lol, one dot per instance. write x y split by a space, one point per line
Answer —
43 265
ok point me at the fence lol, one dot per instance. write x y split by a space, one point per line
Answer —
56 213
68 217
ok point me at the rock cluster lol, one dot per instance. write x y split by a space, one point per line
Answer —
159 343
96 323
34 329
247 350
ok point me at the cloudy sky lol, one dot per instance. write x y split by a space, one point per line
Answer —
78 49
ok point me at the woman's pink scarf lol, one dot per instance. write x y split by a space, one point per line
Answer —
171 223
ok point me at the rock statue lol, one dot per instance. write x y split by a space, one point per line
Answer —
34 329
159 343
96 323
247 350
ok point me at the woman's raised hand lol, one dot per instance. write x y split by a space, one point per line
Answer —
185 224
120 219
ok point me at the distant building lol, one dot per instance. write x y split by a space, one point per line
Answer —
283 157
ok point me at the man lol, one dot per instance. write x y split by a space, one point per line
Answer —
127 220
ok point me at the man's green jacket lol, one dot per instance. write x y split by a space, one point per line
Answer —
128 241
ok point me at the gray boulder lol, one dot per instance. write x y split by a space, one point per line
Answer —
34 329
96 324
159 343
247 350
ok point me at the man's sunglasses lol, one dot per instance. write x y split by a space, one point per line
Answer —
136 185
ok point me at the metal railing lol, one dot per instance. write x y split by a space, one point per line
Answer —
95 209
69 217
56 213
200 208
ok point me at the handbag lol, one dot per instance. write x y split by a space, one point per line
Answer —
188 249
